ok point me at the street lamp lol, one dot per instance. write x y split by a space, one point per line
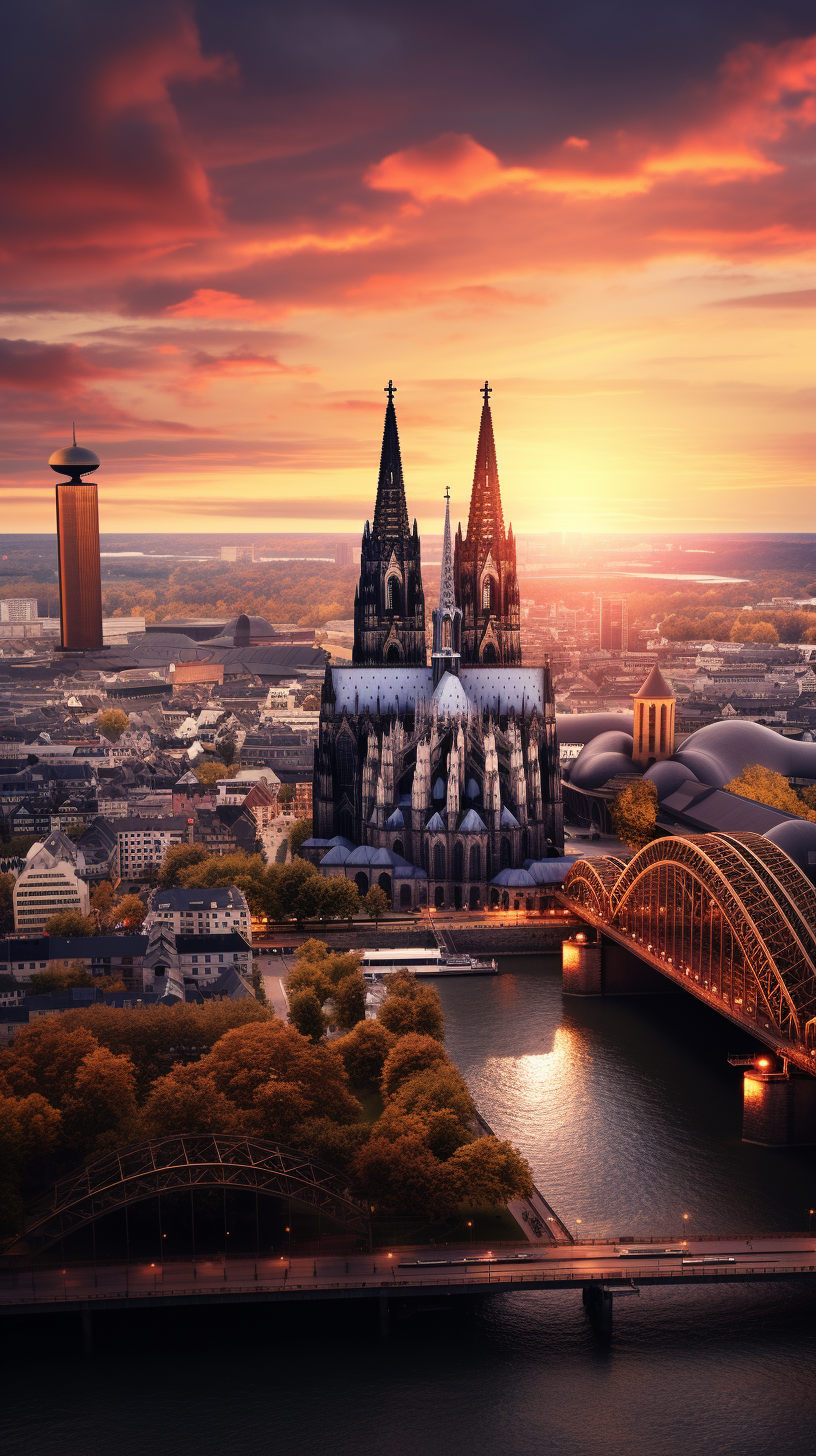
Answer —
470 1226
686 1217
811 1212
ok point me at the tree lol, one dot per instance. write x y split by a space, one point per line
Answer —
332 1142
488 1171
283 885
247 872
250 1062
6 904
376 903
349 999
634 813
103 899
408 1006
18 846
286 794
306 1014
209 773
364 1051
226 748
69 923
29 1131
404 1177
61 975
44 1058
340 898
411 1054
310 976
767 787
186 1102
180 857
434 1090
112 723
100 1109
445 1132
764 632
129 913
301 831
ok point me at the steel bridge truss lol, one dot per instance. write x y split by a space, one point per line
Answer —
730 913
186 1162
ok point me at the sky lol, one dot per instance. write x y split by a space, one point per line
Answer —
226 226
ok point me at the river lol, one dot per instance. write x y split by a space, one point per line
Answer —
630 1116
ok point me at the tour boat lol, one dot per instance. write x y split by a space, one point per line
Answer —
424 963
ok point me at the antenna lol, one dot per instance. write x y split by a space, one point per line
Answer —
73 431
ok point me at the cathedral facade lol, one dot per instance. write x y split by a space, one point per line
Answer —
431 778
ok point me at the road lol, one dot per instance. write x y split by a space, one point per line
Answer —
406 1272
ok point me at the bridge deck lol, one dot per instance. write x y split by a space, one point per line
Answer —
373 1276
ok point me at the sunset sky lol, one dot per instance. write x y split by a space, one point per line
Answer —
226 225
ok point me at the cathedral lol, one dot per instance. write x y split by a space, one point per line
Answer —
432 778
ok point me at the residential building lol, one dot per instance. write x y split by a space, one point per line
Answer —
207 911
18 609
143 843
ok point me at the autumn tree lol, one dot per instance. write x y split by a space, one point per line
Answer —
29 1131
178 858
488 1171
61 976
209 773
409 1006
349 999
128 914
112 723
364 1051
340 899
767 787
100 1109
411 1054
103 899
403 1177
376 903
634 813
69 923
44 1058
300 831
438 1088
306 1014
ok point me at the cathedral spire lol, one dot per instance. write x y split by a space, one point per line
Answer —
390 511
486 521
447 594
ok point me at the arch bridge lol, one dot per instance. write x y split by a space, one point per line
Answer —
728 916
186 1162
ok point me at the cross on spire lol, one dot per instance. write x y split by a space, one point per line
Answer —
486 391
390 389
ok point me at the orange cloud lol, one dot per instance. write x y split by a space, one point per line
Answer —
211 303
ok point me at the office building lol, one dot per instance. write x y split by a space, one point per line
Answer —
613 624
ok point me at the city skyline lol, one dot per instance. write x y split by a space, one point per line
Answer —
245 237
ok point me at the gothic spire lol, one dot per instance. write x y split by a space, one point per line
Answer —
485 521
447 594
390 511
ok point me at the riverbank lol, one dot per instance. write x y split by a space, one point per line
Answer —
483 937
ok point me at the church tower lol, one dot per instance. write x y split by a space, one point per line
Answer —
447 619
485 563
389 604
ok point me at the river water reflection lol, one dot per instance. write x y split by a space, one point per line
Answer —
630 1117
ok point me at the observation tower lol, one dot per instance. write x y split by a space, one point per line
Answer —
80 577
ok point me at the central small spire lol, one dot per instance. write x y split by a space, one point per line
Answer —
447 594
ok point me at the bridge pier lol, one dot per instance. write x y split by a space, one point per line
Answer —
598 1305
601 967
778 1108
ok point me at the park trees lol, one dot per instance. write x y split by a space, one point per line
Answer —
767 787
112 723
69 923
364 1051
301 831
99 1110
634 813
409 1055
60 976
306 1013
489 1171
410 1006
376 903
349 1000
126 914
180 857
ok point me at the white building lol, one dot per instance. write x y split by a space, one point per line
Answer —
145 842
48 884
18 609
208 911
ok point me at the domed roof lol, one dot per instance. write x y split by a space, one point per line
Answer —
73 460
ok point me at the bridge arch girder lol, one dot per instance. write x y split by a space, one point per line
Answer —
186 1162
742 877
